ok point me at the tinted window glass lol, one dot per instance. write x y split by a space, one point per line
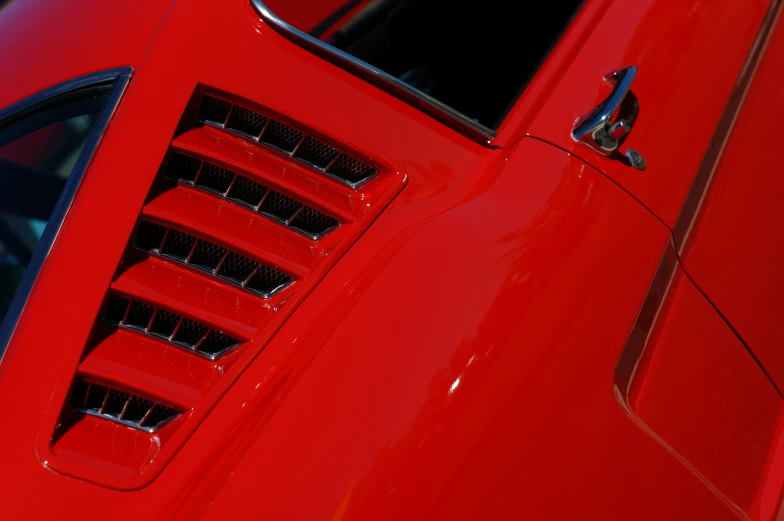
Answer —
38 151
473 56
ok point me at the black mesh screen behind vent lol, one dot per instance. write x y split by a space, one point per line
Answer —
309 150
231 267
120 406
167 326
255 196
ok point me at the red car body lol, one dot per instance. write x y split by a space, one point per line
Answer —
514 328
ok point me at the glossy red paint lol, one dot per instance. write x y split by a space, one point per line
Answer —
727 429
455 363
734 249
690 56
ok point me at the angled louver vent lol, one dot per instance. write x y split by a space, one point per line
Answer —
120 406
211 258
288 140
250 194
168 326
244 204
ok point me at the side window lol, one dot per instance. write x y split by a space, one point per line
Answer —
474 57
45 145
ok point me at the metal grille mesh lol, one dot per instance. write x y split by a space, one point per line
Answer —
313 222
230 273
247 192
237 268
258 197
167 325
207 256
246 122
281 136
178 245
289 140
279 206
213 109
120 406
316 153
214 178
350 169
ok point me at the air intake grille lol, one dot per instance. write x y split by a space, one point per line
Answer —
307 149
274 205
206 256
121 407
168 326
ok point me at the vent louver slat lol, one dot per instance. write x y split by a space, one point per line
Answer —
182 247
307 149
168 326
250 194
120 407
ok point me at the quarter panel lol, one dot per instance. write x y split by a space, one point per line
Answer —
464 371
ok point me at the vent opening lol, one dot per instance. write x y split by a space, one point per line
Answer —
178 245
214 110
281 137
120 406
279 206
246 122
190 334
350 170
214 178
247 192
150 236
307 149
139 316
237 268
269 203
183 244
184 168
312 222
169 326
207 256
316 153
165 324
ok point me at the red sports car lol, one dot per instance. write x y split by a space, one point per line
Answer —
391 259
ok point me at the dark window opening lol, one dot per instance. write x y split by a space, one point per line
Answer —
474 57
39 149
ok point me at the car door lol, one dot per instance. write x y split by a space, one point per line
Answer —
733 250
689 57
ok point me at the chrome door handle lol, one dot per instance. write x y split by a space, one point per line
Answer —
597 129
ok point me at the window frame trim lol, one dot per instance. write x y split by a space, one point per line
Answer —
119 77
386 82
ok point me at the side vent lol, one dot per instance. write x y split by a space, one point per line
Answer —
120 406
285 139
168 326
211 258
250 194
243 218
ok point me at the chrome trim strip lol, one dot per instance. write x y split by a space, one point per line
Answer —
212 357
148 430
401 90
214 273
120 77
270 217
257 140
699 188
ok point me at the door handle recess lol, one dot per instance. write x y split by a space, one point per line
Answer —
597 128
